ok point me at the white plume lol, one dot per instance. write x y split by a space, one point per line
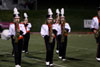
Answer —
50 12
15 11
62 12
57 11
25 15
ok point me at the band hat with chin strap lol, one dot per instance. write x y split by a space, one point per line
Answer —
16 13
50 13
25 16
62 12
57 12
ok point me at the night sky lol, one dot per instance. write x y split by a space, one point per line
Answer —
55 3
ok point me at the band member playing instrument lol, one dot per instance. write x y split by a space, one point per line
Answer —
57 23
12 40
17 30
64 30
27 35
48 34
95 26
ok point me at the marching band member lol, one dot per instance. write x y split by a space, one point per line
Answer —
95 26
64 29
12 40
57 23
48 34
27 35
17 30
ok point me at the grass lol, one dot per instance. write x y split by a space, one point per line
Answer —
81 52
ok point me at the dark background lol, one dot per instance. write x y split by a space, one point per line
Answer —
75 13
68 3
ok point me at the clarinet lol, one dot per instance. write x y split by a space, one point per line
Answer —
50 33
17 33
97 34
63 32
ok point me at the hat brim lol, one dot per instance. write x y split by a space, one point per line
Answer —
50 18
16 17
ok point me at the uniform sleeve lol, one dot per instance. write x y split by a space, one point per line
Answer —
10 30
55 29
93 24
23 30
42 32
29 25
67 26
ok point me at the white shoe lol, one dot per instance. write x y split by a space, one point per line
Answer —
60 57
26 52
23 51
57 51
63 59
13 55
47 63
51 65
17 66
98 59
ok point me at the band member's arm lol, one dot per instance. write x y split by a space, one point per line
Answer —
43 32
93 26
54 29
94 30
10 30
29 25
22 31
55 32
67 28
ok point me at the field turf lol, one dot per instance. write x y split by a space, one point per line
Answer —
81 52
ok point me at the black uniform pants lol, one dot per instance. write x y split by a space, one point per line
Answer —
58 38
18 52
98 47
49 49
12 41
26 41
62 48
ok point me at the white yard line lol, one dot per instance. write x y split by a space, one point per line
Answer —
54 63
82 48
44 62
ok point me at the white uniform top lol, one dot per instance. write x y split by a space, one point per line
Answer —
58 26
28 27
44 30
12 29
95 23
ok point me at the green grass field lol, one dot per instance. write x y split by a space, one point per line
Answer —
81 52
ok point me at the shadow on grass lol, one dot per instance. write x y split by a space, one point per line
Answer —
34 57
36 64
5 58
6 55
36 52
7 61
74 59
